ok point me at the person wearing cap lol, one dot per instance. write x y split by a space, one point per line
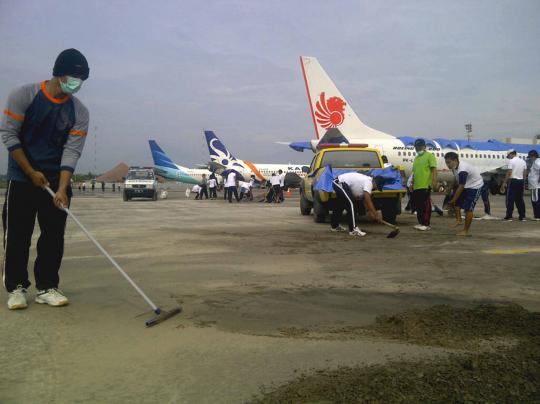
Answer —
424 180
470 184
533 176
515 185
44 128
351 187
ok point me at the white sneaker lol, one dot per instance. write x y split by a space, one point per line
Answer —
338 229
489 217
417 227
52 297
357 232
536 219
422 227
17 299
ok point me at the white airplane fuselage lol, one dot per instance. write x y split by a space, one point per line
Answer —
400 155
335 121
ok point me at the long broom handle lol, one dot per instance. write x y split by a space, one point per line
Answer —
390 225
106 254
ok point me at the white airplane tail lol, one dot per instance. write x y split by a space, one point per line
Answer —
329 108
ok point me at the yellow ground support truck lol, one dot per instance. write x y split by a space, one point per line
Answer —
360 159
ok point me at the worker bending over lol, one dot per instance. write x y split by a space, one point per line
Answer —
350 187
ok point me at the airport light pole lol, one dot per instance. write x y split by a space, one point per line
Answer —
95 150
468 128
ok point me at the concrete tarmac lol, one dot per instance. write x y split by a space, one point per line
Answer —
248 277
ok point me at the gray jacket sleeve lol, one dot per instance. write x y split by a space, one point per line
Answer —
13 115
77 136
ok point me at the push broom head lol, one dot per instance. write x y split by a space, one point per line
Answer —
162 315
393 233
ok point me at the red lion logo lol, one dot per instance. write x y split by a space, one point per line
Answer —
330 113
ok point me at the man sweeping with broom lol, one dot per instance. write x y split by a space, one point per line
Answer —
44 127
348 188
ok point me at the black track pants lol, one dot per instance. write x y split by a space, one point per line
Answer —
514 195
23 203
203 191
535 200
231 191
344 201
422 203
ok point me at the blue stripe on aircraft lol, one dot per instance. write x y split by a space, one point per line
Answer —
456 144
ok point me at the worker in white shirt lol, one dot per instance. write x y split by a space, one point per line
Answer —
469 189
350 187
196 190
275 183
534 182
212 186
230 185
245 189
281 176
514 185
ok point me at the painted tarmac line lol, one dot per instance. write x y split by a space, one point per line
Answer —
512 251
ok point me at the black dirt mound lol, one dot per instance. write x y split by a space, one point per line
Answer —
507 375
452 327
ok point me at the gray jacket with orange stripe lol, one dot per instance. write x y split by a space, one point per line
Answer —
50 131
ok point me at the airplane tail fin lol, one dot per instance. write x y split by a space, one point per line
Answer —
329 108
159 156
218 152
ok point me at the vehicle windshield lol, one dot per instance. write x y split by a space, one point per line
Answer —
140 175
351 159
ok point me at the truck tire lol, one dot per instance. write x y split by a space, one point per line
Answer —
389 209
305 205
319 211
125 197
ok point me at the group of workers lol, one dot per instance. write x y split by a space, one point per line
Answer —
44 127
468 187
208 187
275 186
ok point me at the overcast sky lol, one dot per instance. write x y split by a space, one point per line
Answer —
166 70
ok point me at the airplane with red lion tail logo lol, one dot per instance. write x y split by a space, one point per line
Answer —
336 123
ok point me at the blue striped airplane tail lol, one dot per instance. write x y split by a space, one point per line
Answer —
159 156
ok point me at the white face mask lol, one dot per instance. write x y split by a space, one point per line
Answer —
71 86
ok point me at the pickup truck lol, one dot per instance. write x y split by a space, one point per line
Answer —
346 158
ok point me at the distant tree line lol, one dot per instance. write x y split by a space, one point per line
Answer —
76 178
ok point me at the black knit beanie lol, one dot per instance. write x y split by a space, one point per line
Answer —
71 62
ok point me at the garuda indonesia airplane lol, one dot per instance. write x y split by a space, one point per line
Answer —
166 168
